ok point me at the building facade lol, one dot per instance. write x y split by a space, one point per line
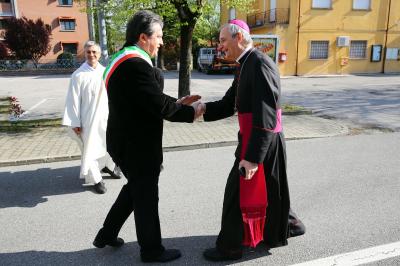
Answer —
317 37
69 24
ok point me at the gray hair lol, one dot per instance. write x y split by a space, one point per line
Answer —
90 44
235 29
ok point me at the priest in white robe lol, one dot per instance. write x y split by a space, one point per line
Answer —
86 112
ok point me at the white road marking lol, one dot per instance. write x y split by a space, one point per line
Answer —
358 257
382 84
33 107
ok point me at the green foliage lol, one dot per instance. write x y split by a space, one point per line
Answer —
65 60
239 4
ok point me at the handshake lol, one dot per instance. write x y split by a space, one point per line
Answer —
194 101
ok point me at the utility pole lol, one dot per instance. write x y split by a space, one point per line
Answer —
386 38
298 37
102 31
89 11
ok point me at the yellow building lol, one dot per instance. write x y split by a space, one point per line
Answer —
318 37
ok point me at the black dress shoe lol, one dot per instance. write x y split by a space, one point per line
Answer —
101 243
114 174
213 254
296 227
100 187
166 256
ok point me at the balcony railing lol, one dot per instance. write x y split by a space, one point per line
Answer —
269 18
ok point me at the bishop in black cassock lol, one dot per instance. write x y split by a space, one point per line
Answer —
255 95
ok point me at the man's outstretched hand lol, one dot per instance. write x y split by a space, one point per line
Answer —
188 100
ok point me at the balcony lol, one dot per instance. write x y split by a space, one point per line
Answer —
269 18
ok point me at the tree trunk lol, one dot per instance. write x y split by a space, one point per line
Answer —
184 69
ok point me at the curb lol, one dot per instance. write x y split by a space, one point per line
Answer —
165 149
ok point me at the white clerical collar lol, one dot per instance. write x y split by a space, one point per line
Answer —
244 52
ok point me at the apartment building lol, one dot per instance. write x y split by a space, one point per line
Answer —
69 24
317 37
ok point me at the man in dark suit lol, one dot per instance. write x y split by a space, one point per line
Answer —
137 107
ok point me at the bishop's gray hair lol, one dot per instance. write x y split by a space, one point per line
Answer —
234 29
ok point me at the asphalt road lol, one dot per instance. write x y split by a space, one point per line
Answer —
345 189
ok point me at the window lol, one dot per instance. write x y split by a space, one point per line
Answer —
319 49
361 4
70 47
358 49
67 24
232 13
65 2
392 53
321 3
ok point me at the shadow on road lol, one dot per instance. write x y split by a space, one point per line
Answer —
191 248
29 188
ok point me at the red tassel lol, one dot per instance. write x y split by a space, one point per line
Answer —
253 230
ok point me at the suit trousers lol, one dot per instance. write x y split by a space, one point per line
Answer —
140 196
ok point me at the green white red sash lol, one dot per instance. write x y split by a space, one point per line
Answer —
121 56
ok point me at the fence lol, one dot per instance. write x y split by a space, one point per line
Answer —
43 65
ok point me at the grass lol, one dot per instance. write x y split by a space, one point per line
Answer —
28 125
290 109
4 109
4 105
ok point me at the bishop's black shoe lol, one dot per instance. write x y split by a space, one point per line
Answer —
296 227
166 256
213 254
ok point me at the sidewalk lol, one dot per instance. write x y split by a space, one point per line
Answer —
53 144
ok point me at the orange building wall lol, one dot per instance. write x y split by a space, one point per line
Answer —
49 11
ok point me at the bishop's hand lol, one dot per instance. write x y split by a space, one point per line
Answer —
199 109
251 168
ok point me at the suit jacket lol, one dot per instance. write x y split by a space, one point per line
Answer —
137 107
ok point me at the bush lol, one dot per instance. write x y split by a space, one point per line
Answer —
65 60
3 51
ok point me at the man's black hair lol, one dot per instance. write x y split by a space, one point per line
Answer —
141 22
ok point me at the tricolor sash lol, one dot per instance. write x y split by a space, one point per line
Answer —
121 56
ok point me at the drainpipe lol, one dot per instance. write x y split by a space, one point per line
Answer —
386 38
298 37
14 8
